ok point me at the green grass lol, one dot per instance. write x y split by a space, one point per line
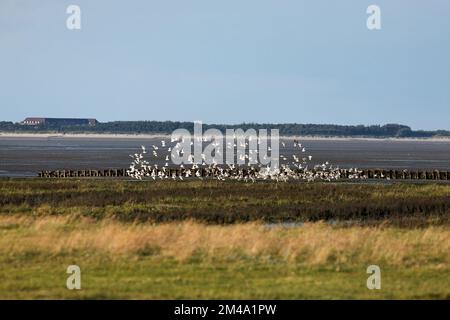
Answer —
192 239
243 261
37 276
42 277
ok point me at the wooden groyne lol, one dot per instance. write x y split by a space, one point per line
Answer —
344 173
83 173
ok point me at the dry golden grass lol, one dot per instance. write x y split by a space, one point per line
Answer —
312 243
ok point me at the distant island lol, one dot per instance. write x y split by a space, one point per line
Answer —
73 126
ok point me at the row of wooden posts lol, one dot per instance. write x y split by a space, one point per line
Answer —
369 173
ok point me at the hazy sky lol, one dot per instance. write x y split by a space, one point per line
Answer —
228 61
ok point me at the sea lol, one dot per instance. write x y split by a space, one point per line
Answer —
26 156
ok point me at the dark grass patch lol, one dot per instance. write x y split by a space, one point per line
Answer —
230 202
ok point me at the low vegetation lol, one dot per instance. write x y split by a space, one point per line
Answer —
229 202
222 240
311 243
192 260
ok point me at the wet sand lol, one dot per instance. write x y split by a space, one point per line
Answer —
25 155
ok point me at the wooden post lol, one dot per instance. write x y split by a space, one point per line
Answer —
406 174
436 175
422 175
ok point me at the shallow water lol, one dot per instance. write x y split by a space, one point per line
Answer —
26 156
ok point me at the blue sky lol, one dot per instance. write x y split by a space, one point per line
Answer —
228 61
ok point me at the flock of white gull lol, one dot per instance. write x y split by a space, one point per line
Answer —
299 167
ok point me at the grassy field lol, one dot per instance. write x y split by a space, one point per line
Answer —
156 240
228 202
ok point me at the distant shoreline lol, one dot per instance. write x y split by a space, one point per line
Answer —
153 136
